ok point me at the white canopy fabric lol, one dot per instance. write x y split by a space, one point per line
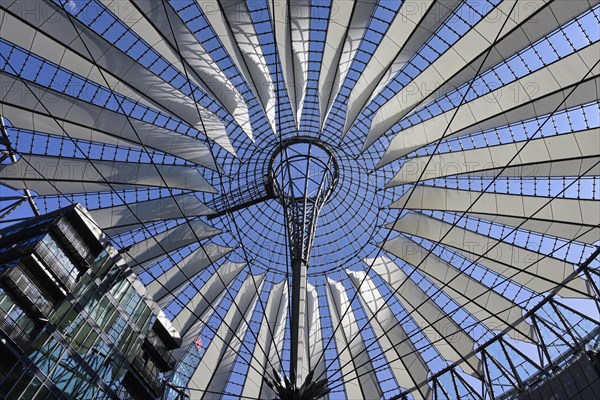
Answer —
192 317
270 336
448 337
232 21
140 253
408 366
170 284
464 214
30 106
220 354
527 24
485 304
353 357
552 84
61 175
118 219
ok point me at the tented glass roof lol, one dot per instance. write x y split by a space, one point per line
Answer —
456 256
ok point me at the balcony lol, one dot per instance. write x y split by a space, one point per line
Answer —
159 352
66 277
143 369
73 241
27 292
21 339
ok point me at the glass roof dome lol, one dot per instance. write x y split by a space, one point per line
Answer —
456 252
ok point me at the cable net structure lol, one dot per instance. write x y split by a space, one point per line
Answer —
433 165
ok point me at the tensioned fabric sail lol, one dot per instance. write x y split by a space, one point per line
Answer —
456 256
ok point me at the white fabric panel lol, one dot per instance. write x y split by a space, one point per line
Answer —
438 12
538 157
492 309
401 29
314 339
190 319
204 70
570 168
472 45
536 271
172 282
357 370
405 360
292 27
119 219
231 22
452 342
299 14
37 42
278 338
538 93
270 338
56 113
337 28
283 38
76 175
240 22
26 119
580 93
217 362
331 82
171 239
59 27
578 233
143 28
562 217
547 17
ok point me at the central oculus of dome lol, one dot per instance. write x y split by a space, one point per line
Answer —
303 169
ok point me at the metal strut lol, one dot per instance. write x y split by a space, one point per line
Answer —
304 174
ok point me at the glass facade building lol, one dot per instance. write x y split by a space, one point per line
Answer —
75 321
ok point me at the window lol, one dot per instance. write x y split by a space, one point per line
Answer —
15 315
60 264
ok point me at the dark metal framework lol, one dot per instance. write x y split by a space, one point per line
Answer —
303 181
304 174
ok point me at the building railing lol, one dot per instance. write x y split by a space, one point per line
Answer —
72 240
59 269
148 374
157 348
28 291
14 333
